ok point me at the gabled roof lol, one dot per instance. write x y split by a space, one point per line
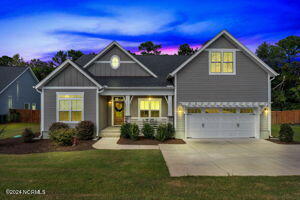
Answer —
126 52
161 65
268 69
86 73
8 75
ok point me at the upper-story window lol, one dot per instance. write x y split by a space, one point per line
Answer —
115 62
222 62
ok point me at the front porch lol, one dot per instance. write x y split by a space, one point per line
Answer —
116 110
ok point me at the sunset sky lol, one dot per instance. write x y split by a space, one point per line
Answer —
38 29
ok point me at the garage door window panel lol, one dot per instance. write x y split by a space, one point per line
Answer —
212 110
246 110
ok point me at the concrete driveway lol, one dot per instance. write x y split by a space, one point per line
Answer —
226 157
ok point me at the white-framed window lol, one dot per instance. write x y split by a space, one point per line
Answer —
10 102
222 62
70 106
27 106
33 106
149 107
115 62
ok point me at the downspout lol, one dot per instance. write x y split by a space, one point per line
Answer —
270 114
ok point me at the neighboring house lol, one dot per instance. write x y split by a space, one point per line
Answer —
221 91
17 89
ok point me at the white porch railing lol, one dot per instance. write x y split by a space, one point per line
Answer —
155 121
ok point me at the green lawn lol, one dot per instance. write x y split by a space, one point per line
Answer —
13 129
296 128
127 174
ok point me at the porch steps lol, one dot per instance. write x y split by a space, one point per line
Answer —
110 132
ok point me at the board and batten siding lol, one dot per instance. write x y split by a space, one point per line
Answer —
70 76
50 105
250 84
125 69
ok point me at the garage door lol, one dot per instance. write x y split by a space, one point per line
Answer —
220 125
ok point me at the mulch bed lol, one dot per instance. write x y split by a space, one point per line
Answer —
146 141
277 141
17 146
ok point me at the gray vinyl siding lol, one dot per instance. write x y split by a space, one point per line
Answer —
103 112
50 106
134 106
70 76
25 94
222 43
125 69
250 84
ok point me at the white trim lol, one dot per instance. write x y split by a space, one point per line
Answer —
9 97
175 102
222 51
224 32
115 56
13 80
34 76
170 105
126 52
147 99
68 88
108 62
224 104
97 113
42 111
58 69
120 92
140 88
57 105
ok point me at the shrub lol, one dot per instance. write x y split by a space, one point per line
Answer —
170 131
63 136
161 133
125 130
134 132
58 125
148 131
13 116
286 133
85 130
28 135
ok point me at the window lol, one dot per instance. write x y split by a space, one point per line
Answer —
212 110
27 106
246 110
70 107
10 102
33 106
229 110
194 110
115 62
149 107
222 62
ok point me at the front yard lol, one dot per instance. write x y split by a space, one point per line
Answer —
13 129
127 174
296 128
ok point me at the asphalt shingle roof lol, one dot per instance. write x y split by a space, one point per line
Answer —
8 74
161 65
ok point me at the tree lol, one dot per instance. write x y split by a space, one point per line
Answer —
185 49
149 48
40 68
59 57
5 61
270 54
74 55
290 46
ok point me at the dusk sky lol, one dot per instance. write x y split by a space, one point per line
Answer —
37 29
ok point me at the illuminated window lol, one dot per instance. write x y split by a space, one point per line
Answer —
212 110
228 110
246 110
194 110
70 107
33 106
222 62
115 62
149 107
27 106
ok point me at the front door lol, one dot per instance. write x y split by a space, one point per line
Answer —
118 110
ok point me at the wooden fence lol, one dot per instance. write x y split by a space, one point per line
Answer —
286 117
29 116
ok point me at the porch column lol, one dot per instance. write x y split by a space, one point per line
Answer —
170 106
127 106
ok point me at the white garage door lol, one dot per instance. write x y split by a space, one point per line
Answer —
220 125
